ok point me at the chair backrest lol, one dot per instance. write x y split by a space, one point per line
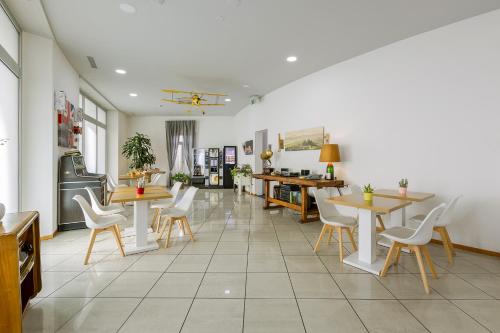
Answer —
325 209
111 184
96 205
351 189
187 199
91 218
175 189
155 178
447 216
423 234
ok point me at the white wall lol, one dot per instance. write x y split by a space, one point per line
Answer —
117 132
425 108
210 132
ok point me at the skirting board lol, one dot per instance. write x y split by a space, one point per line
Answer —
47 237
469 248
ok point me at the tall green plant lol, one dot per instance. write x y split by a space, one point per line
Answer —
138 151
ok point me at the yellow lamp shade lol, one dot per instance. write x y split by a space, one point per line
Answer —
329 153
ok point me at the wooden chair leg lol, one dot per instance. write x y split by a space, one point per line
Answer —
398 254
170 225
341 244
316 247
93 233
351 237
388 259
443 233
110 196
155 217
381 222
450 244
163 227
186 225
117 227
422 268
330 235
427 256
117 239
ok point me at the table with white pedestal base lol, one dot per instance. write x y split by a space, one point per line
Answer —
366 256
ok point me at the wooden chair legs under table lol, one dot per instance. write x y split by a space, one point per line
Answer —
338 229
93 233
381 222
182 224
448 246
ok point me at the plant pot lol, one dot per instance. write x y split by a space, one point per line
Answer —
139 190
368 196
402 191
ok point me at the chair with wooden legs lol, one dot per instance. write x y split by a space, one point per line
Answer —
178 213
112 186
101 209
155 179
159 205
333 221
445 219
416 241
355 189
99 223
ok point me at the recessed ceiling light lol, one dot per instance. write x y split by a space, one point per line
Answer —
291 59
246 86
120 71
133 95
127 8
228 99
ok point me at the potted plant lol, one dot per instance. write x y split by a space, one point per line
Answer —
368 192
141 183
403 186
181 177
138 150
244 171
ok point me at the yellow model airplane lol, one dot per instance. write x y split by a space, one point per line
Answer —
195 99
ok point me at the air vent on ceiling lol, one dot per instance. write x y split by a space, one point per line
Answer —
92 62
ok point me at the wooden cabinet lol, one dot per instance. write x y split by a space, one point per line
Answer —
20 272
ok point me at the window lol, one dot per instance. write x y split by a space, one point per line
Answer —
180 164
93 143
9 112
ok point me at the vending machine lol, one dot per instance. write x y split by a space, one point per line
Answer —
230 159
213 162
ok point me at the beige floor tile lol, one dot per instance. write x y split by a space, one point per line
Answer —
315 285
75 263
223 285
272 315
232 248
264 248
407 286
490 264
329 315
489 283
263 263
190 263
87 284
361 286
262 236
297 249
269 285
304 264
52 281
199 248
459 265
486 312
176 285
207 236
115 263
228 263
215 315
334 265
453 287
131 284
50 260
157 263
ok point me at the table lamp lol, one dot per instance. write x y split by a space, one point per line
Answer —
329 153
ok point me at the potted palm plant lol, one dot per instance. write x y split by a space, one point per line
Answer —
138 151
403 186
368 192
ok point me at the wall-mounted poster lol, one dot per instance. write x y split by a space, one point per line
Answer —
65 113
248 147
307 139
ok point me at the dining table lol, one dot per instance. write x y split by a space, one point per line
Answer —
144 241
366 256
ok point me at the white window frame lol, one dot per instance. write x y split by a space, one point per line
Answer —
98 124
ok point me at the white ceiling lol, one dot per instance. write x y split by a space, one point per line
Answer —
220 45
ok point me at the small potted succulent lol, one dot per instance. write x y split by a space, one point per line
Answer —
141 183
368 192
403 186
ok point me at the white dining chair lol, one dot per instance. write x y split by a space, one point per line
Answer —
159 205
416 241
101 209
112 186
155 179
99 223
355 189
178 213
333 220
444 220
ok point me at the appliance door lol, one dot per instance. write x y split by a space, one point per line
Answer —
229 163
70 215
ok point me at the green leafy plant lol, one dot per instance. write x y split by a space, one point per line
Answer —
403 183
368 189
245 170
181 177
138 150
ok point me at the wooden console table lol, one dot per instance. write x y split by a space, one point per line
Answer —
304 184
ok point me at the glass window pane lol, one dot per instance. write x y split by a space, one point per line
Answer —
101 150
90 141
90 108
9 37
101 115
80 101
8 139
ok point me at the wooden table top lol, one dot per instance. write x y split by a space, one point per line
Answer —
394 194
378 204
13 223
138 175
128 194
299 181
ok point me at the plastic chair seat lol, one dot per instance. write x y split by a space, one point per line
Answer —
339 220
163 204
398 234
418 218
109 220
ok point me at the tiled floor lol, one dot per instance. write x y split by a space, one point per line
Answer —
253 270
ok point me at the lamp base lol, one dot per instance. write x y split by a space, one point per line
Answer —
329 172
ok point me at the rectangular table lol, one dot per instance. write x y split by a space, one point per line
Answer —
147 175
304 185
141 207
366 256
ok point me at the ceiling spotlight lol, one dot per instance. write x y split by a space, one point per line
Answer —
228 99
133 95
291 59
120 71
246 86
127 8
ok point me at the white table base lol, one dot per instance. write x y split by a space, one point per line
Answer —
142 243
374 267
151 245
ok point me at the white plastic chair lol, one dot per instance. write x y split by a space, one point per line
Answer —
445 219
416 241
179 213
112 186
333 220
99 223
101 209
155 178
355 189
159 205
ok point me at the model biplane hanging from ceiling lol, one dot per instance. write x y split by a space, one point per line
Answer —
197 100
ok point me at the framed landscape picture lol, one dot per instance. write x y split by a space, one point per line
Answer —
306 139
248 147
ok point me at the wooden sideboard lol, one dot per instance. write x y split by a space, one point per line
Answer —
20 271
304 185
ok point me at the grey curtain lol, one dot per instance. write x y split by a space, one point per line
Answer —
174 130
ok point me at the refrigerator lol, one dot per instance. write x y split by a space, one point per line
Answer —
230 159
213 162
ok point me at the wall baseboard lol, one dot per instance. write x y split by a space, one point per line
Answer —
469 248
47 237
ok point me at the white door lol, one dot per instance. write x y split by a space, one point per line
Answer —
259 146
